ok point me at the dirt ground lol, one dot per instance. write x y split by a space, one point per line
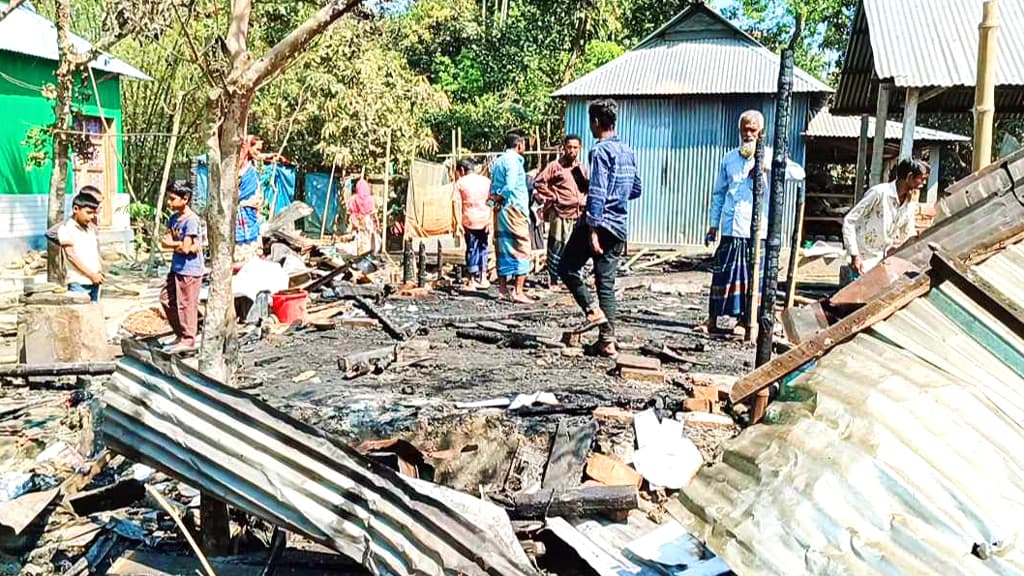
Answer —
486 452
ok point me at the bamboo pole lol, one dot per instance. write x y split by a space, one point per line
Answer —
754 288
327 199
387 194
154 247
181 526
985 91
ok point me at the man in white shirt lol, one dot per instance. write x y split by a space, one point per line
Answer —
81 246
883 220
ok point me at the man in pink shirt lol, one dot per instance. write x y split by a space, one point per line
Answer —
471 194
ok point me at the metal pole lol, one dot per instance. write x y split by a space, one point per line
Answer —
783 104
985 92
794 247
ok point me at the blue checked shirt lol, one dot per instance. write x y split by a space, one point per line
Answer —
614 181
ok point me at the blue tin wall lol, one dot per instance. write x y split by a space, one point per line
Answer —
679 143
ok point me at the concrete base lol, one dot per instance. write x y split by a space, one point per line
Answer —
66 332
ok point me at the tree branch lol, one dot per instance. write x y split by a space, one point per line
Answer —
297 39
13 6
200 61
238 32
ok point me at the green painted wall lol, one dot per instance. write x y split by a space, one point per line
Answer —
23 108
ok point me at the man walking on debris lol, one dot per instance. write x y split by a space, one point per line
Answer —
732 206
884 218
180 296
512 201
471 193
561 188
601 234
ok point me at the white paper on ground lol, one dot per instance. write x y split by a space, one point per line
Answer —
666 457
526 400
491 403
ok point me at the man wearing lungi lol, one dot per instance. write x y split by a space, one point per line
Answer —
561 188
730 217
512 201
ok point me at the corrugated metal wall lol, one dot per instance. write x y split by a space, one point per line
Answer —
679 143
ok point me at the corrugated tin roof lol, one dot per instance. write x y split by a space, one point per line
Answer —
899 452
826 125
924 44
698 52
25 32
159 411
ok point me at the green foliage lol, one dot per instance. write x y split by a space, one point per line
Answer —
341 100
825 35
597 54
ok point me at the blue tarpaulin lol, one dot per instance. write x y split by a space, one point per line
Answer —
316 188
280 175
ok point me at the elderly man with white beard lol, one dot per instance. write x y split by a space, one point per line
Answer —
730 222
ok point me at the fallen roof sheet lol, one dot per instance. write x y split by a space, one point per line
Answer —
26 32
899 452
161 412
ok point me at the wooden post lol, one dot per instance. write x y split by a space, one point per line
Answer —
862 157
794 247
387 194
215 525
985 90
934 160
878 148
909 122
327 200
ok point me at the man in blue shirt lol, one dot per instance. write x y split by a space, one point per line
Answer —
601 233
512 199
730 221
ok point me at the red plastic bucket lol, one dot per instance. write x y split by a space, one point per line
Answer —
289 306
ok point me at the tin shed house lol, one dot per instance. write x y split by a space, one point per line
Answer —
28 59
681 92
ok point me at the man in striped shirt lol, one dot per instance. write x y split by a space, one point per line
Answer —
601 234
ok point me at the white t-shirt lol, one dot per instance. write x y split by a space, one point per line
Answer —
86 245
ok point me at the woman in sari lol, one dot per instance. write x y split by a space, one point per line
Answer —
250 200
512 200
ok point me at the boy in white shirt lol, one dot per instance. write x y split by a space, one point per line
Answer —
80 242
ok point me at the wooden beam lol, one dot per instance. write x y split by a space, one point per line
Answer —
878 147
931 94
569 450
909 122
578 503
980 290
862 157
901 294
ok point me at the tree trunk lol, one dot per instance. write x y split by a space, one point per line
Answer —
61 139
228 110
